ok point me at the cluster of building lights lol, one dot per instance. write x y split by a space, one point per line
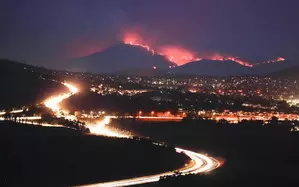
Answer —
235 117
106 90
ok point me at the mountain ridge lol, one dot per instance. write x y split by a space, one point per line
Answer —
124 58
119 58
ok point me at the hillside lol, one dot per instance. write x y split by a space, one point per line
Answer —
265 69
127 59
118 58
24 84
290 72
40 156
251 154
150 72
211 68
228 68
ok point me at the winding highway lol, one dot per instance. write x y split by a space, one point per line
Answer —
199 163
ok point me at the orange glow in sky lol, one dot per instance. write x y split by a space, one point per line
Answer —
175 54
136 40
238 60
278 59
180 55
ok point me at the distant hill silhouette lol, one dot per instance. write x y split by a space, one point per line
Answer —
119 58
266 69
290 72
212 68
227 68
134 60
149 72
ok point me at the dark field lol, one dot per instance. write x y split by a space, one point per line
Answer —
252 155
23 85
37 156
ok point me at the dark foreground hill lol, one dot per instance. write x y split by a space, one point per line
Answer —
251 154
40 156
23 84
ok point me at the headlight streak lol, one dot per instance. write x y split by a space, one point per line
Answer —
199 162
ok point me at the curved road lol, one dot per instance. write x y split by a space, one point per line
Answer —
200 163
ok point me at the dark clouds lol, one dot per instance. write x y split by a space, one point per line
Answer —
46 32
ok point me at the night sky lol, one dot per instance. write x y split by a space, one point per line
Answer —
49 32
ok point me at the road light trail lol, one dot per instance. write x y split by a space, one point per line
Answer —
39 124
17 111
199 163
100 128
12 112
53 102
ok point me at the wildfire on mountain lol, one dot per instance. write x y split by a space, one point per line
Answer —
180 55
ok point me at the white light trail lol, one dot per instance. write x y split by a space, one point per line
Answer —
30 118
12 112
53 102
17 111
40 124
200 164
72 88
100 128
